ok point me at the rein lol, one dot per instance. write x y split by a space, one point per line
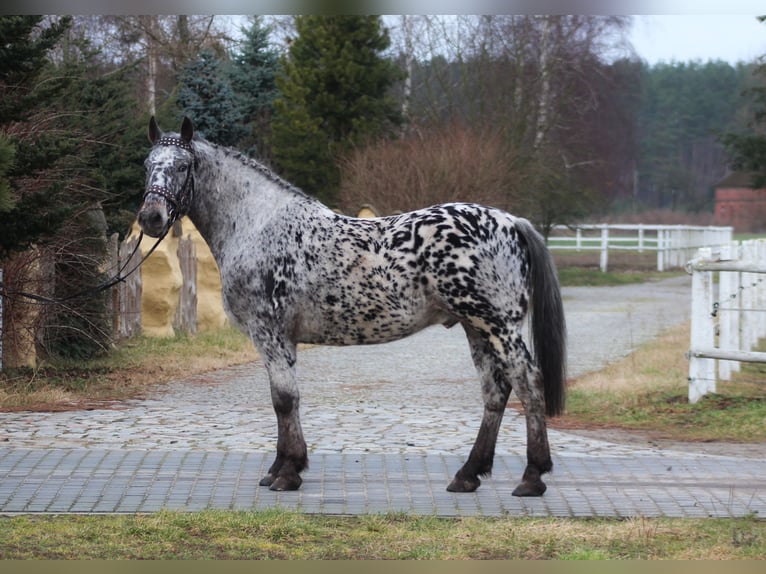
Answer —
118 278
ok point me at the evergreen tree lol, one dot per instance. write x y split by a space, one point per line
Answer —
206 96
77 156
7 153
684 109
747 148
35 206
253 78
335 93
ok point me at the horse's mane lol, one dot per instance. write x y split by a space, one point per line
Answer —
254 164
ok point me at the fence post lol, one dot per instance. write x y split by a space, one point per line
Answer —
728 313
760 255
701 370
130 290
604 248
186 314
113 302
749 337
660 250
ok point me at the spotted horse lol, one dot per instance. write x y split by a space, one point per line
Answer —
294 271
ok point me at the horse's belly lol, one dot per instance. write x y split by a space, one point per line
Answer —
362 327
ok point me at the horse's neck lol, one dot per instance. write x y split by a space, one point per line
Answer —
232 198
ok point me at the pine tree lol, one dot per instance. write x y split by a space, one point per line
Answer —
747 148
206 96
7 153
253 78
335 93
73 129
35 206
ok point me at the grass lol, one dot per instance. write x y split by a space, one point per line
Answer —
647 391
594 277
279 534
128 371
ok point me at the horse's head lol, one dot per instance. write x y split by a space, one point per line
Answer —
169 179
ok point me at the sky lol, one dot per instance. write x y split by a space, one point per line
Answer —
685 37
663 30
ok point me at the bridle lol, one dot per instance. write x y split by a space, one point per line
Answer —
178 204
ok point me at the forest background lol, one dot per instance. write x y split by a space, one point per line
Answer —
550 117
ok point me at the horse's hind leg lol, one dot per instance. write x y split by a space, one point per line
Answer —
292 458
497 369
529 389
496 388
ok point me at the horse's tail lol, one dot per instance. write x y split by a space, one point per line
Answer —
548 325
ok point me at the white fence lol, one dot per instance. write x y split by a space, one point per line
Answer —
733 308
674 244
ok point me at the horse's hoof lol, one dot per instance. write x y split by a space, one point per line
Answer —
527 488
267 480
286 483
464 484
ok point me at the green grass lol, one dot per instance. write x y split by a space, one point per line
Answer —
588 277
724 416
125 372
648 391
278 534
747 236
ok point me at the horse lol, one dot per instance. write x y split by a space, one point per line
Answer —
294 271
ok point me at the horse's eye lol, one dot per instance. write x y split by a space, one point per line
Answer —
181 168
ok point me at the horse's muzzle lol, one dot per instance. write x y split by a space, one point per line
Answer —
153 219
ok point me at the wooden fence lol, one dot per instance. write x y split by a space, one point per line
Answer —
733 308
126 295
674 244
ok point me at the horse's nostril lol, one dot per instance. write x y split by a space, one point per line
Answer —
151 220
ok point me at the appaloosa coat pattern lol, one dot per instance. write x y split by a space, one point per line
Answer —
294 271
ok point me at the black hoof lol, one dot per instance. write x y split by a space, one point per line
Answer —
286 482
267 480
464 484
528 488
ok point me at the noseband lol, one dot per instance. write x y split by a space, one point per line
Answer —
178 205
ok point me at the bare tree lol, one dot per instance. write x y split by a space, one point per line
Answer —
163 44
535 80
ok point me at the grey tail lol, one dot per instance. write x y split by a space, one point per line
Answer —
549 334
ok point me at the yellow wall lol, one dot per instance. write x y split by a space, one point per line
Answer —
161 283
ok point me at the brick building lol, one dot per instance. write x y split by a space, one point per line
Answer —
738 204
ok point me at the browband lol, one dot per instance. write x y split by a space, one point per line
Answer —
178 142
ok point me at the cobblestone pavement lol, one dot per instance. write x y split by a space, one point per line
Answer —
386 426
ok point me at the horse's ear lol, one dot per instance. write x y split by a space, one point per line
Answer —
187 130
155 132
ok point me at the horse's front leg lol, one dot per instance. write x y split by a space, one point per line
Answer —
292 456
